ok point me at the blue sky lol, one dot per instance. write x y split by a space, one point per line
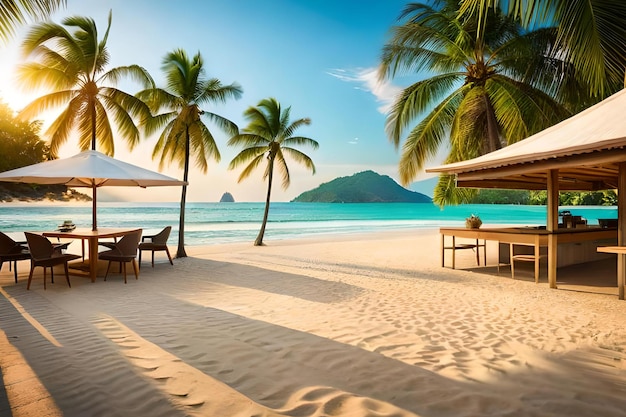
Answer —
317 56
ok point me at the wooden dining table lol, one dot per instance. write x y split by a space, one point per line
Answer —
92 237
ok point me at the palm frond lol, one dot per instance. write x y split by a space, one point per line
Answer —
521 110
132 105
153 124
91 53
283 169
134 72
221 122
300 141
447 193
428 38
212 91
158 98
126 126
289 129
104 132
299 157
205 138
60 129
33 76
597 31
247 139
251 167
423 142
14 13
246 155
45 103
416 99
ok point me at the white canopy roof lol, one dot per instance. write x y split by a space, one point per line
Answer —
88 169
585 148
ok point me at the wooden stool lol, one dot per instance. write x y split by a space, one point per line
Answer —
534 257
460 246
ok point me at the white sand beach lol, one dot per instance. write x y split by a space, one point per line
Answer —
349 325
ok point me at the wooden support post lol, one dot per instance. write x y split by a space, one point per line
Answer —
552 224
621 228
537 258
443 250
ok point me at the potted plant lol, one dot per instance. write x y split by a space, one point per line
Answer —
473 222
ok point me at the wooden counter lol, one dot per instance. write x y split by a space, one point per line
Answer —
574 245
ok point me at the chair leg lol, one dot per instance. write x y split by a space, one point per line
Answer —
51 274
168 255
30 276
136 268
107 272
67 275
123 266
153 259
14 269
140 258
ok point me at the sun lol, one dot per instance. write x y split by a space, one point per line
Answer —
10 91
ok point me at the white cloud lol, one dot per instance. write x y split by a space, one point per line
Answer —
354 141
367 79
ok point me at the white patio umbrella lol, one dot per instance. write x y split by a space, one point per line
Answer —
89 169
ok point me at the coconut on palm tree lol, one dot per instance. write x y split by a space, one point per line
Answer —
180 123
17 12
486 89
269 137
72 62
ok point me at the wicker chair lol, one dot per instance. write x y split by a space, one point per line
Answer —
156 243
12 251
124 251
45 254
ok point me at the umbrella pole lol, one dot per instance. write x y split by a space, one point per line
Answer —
94 224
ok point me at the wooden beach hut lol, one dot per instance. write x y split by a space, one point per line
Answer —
586 152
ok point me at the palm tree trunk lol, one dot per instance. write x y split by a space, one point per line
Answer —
92 106
259 238
180 252
94 196
493 136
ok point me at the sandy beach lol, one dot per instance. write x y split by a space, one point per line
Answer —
349 325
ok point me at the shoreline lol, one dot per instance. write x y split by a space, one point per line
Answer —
362 324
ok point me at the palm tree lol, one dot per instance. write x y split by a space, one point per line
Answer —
269 136
72 65
486 87
591 33
16 12
183 131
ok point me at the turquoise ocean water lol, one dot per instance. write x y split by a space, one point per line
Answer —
214 223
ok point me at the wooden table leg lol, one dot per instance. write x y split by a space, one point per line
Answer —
453 250
485 251
93 258
443 250
477 253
